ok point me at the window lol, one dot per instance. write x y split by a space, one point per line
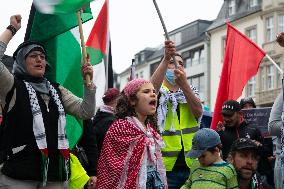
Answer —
195 58
142 57
250 92
253 3
201 56
188 62
176 38
186 58
281 23
263 80
270 77
136 59
269 29
199 83
232 7
141 74
251 33
223 47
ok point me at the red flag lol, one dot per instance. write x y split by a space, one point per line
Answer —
241 62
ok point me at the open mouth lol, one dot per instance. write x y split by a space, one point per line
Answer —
39 66
153 103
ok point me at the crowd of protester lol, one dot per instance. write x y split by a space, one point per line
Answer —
146 136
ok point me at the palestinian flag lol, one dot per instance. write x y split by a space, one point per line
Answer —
97 46
59 6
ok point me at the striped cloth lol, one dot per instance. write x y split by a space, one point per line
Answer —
218 176
126 151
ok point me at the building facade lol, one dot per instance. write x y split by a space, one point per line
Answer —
269 80
192 43
260 21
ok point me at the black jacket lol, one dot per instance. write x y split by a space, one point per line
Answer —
26 164
89 144
233 133
101 122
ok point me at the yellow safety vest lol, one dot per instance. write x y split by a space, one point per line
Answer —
184 132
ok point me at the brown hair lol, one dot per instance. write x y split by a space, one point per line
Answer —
213 149
124 109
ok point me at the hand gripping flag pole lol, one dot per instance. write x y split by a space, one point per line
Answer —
164 27
83 45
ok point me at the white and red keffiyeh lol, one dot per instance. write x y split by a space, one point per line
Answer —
127 150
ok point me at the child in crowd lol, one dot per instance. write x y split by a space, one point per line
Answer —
210 171
131 156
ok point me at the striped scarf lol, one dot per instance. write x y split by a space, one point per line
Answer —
39 129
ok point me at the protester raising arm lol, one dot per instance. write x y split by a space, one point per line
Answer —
15 25
6 79
178 77
34 145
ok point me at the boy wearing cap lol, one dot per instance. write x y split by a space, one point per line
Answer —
244 156
210 171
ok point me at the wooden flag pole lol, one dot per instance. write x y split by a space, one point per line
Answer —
83 46
164 27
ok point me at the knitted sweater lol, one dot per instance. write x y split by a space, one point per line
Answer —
218 176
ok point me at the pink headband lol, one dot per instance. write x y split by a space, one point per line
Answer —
133 86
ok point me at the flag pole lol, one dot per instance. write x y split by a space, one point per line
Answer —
83 45
164 27
273 62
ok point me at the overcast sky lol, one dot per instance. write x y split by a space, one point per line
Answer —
134 24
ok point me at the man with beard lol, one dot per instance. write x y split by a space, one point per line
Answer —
244 156
235 127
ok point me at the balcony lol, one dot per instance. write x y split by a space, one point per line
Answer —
266 98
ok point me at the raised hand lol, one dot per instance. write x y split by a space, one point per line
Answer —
170 50
180 76
87 69
15 21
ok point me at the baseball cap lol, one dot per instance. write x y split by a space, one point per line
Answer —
242 144
203 139
229 107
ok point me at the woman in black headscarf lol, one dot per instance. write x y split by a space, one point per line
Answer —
34 144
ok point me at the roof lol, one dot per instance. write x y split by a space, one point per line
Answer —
242 10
